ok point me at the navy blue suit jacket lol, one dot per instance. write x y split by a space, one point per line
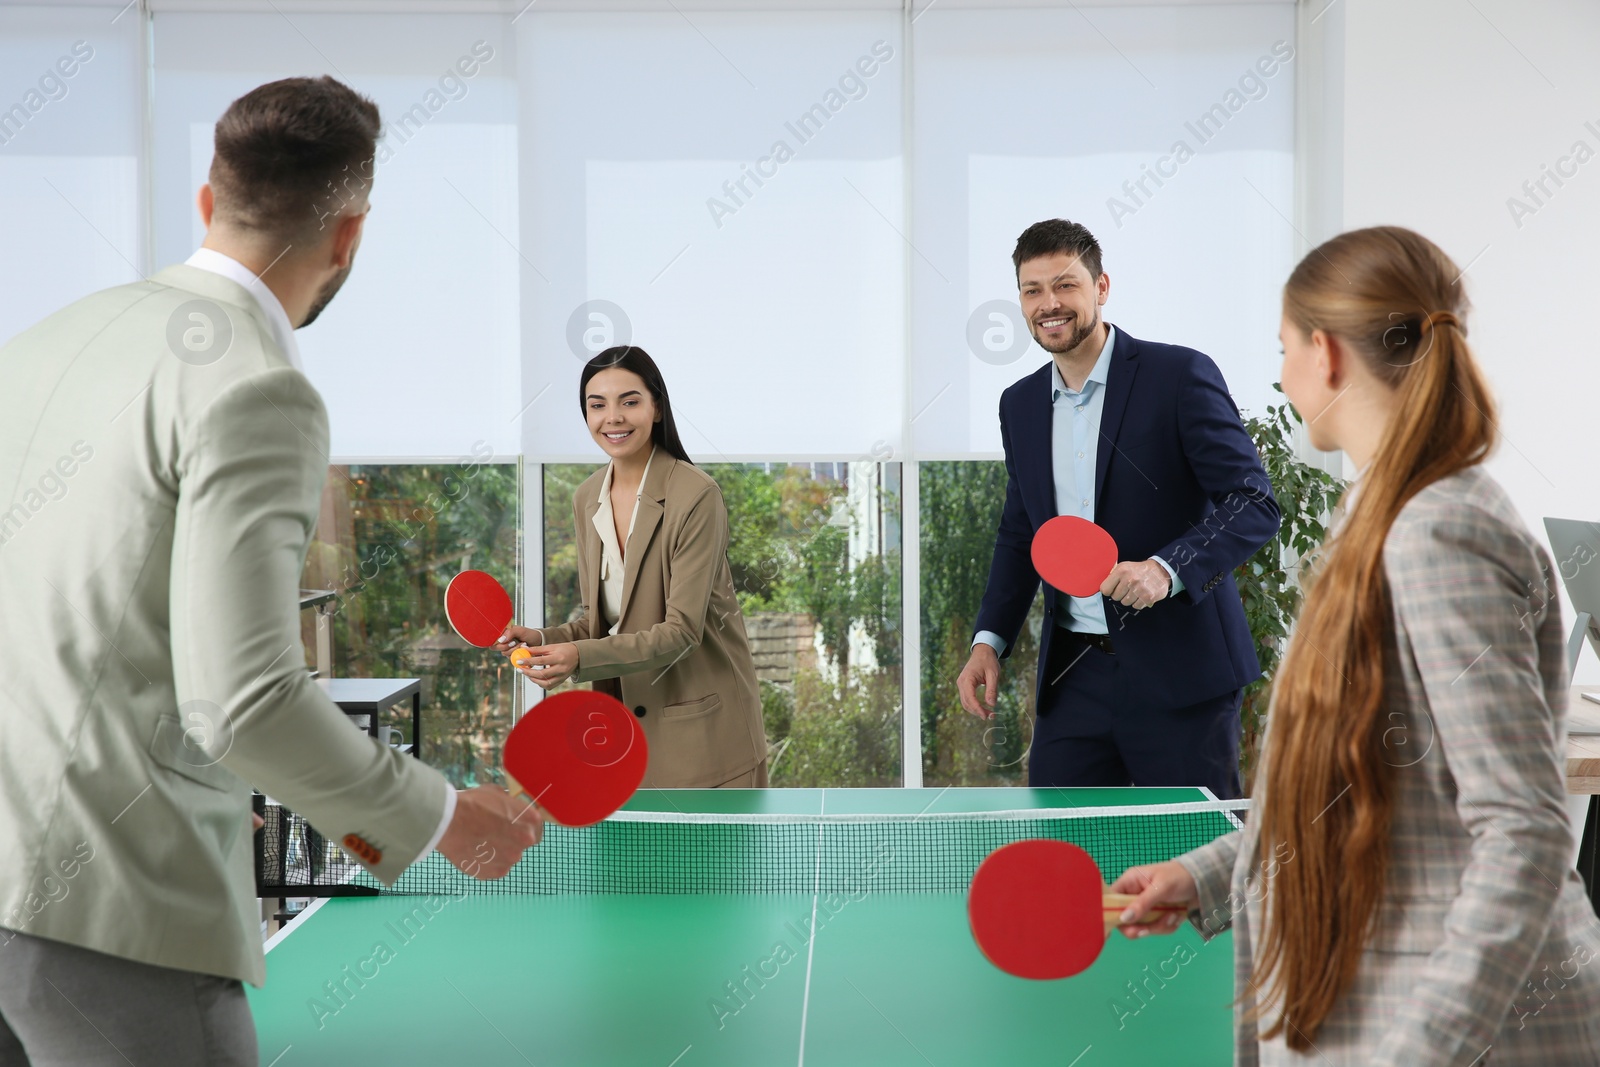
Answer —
1176 476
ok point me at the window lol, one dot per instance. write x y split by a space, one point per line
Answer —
815 557
806 216
388 542
961 502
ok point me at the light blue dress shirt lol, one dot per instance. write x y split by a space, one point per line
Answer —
1074 446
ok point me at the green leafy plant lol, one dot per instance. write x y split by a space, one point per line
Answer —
961 505
392 537
1269 581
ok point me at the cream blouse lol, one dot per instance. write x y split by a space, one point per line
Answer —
611 562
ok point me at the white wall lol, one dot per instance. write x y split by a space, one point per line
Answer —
1447 109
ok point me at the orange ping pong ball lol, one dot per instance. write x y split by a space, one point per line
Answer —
521 657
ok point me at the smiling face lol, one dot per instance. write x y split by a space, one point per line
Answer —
1060 301
621 413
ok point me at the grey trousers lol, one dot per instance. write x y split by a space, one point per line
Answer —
65 1006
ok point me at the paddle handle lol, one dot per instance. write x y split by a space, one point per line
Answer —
514 787
1113 904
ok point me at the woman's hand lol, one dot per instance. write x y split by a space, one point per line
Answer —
1155 884
549 665
518 635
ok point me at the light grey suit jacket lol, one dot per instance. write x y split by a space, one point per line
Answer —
155 509
1487 950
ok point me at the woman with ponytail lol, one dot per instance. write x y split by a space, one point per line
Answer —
1404 893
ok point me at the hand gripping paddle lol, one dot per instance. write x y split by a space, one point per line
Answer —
1073 555
579 755
1039 909
479 609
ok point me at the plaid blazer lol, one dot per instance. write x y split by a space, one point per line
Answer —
1486 949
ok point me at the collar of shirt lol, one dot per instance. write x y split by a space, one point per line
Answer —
605 488
277 319
1058 387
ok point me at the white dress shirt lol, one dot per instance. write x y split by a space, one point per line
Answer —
611 561
1074 449
278 319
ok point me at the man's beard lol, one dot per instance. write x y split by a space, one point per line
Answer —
1076 338
327 294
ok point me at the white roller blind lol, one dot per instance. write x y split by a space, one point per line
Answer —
69 145
417 356
724 190
1029 115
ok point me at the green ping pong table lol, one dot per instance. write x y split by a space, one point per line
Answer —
750 927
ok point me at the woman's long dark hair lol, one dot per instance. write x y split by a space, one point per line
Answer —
635 359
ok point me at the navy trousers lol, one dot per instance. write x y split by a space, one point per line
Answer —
1081 737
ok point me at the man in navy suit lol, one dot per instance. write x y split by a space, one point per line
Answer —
1139 684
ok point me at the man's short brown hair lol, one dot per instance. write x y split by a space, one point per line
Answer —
292 155
1053 236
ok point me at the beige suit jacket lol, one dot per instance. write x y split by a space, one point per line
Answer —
680 659
155 508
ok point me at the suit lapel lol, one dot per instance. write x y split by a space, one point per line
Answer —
1040 419
597 563
1119 385
646 520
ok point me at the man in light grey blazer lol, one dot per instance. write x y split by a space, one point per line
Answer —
162 459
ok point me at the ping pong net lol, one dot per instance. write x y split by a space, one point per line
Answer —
649 852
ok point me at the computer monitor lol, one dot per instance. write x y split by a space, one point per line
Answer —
1576 545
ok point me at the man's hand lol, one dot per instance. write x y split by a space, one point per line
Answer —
1137 585
550 665
489 832
1155 884
982 669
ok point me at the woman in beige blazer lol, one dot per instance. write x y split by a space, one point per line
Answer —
661 629
1404 893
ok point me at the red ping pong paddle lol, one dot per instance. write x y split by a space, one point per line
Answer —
579 755
1073 555
478 607
1039 909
